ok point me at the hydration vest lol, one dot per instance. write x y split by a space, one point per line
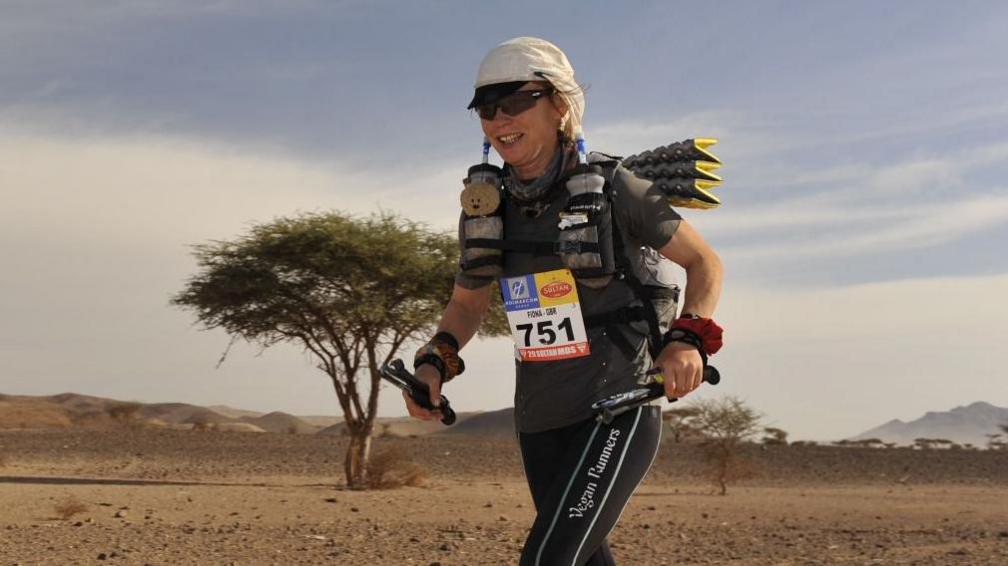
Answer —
589 243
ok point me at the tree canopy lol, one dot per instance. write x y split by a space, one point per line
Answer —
350 290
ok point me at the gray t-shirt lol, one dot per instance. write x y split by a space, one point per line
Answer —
553 394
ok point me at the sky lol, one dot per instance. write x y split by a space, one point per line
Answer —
865 197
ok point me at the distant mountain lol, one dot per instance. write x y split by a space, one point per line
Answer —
181 413
489 423
321 420
19 412
68 410
318 421
406 426
281 422
969 424
234 413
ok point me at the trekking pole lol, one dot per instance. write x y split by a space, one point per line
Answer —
395 372
652 388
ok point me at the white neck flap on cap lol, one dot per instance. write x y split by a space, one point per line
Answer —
533 59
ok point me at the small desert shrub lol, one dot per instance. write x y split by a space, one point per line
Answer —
726 424
69 507
680 422
774 436
292 429
202 424
727 465
392 468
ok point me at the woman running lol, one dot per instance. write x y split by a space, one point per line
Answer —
567 242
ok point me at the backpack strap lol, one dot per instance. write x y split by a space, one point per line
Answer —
624 270
532 246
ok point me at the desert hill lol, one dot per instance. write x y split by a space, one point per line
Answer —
77 403
182 413
321 421
67 410
964 425
280 422
489 423
405 426
234 413
21 412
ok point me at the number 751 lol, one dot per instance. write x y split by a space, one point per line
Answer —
544 332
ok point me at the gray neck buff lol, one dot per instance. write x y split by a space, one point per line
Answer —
527 192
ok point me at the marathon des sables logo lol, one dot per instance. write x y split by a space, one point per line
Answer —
555 289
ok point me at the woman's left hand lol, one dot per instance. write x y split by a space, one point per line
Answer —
681 367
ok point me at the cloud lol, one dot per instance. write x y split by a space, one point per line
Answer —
896 145
777 208
917 203
834 361
632 136
175 190
95 239
937 225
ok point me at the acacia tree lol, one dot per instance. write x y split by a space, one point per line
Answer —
994 442
350 291
725 424
680 421
774 436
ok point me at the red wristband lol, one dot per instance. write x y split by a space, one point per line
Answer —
708 331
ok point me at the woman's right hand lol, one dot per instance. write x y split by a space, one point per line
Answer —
428 374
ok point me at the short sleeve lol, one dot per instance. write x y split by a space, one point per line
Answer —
642 210
463 279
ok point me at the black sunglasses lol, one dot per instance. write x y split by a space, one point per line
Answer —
512 104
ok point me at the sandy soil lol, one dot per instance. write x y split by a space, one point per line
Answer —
170 497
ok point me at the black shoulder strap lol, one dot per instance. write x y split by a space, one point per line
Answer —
623 268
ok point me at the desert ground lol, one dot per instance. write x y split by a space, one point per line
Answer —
165 497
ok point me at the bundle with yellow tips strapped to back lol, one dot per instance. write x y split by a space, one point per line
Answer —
683 171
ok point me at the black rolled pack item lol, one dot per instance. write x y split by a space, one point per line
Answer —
683 171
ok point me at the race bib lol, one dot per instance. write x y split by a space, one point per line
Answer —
545 316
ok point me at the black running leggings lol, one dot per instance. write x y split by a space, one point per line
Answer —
581 477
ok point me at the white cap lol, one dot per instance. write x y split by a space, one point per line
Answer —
533 59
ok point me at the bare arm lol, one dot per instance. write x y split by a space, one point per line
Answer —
464 312
462 319
681 364
703 269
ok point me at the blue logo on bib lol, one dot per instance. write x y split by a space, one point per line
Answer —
519 289
519 293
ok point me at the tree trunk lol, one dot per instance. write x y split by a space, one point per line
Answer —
357 455
724 463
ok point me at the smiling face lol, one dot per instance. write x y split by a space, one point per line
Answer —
527 141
